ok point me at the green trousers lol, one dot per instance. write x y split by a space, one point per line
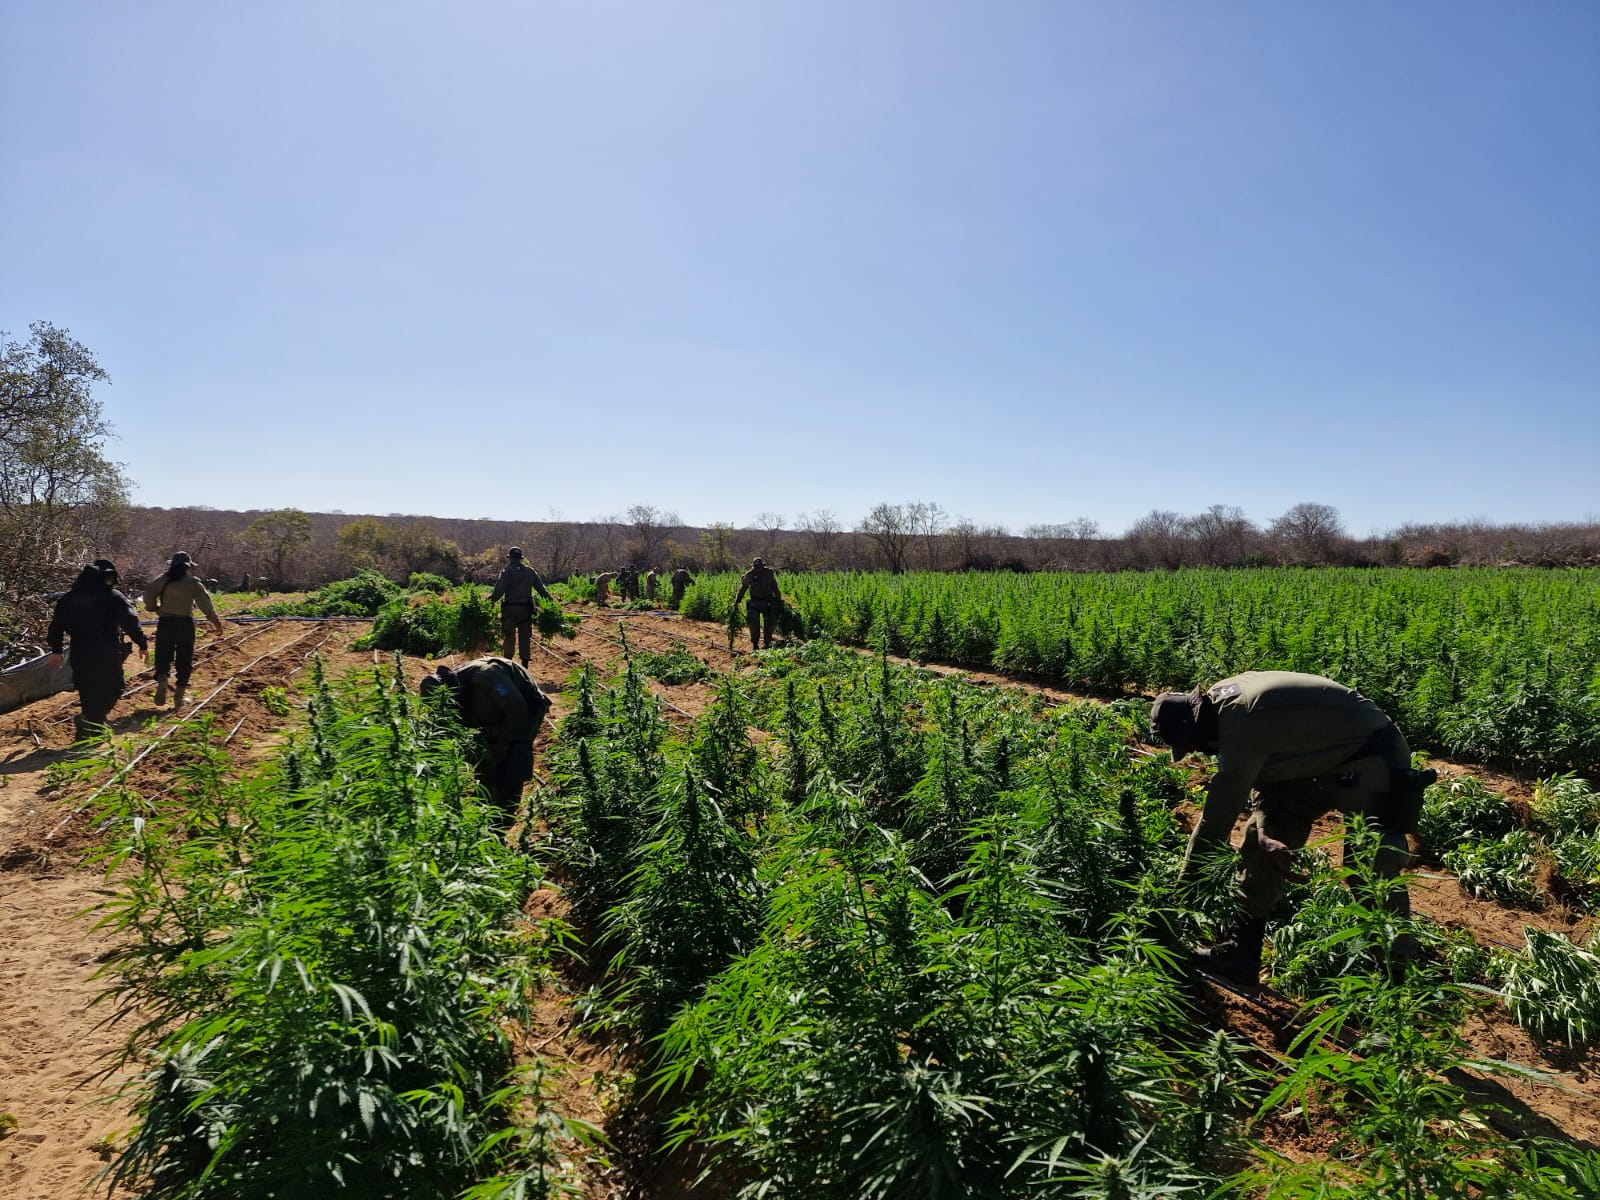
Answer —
1286 811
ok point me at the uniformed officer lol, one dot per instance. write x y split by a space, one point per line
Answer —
500 700
681 579
628 583
91 617
173 597
514 589
766 601
1305 746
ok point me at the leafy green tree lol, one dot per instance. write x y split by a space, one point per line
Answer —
276 537
364 544
60 497
715 545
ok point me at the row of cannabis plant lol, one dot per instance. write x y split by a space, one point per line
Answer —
317 966
879 933
1487 664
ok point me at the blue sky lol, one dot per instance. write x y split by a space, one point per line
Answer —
1030 261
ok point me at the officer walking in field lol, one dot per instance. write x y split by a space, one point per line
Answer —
650 578
681 579
514 588
91 617
173 597
499 699
1305 746
766 602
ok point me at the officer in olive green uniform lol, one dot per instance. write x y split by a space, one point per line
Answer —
500 700
514 589
628 583
681 579
1305 746
766 602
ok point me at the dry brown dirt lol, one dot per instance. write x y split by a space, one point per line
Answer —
54 1048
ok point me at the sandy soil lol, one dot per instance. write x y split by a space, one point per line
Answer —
54 1048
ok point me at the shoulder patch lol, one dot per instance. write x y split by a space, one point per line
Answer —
1223 691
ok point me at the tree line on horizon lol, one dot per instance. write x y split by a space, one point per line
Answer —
63 502
290 549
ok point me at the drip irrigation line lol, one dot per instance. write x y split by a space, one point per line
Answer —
206 653
619 643
122 772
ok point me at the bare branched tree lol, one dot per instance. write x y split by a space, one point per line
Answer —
1307 533
1156 539
822 530
770 523
1220 535
649 526
890 529
927 523
555 545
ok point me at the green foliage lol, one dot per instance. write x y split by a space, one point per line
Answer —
1379 1054
316 962
362 595
1462 808
575 589
552 621
1500 870
429 625
1345 923
674 666
1490 664
881 933
1565 806
537 1148
1577 860
1553 988
422 581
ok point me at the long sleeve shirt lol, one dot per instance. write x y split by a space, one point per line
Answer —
517 584
1274 726
494 698
91 616
179 598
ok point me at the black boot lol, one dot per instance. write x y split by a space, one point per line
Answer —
1238 955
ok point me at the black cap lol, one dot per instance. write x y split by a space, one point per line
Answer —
442 676
105 566
514 552
181 559
1173 718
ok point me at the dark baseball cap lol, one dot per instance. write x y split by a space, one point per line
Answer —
1173 718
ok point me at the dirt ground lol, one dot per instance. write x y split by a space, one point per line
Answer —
54 1049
